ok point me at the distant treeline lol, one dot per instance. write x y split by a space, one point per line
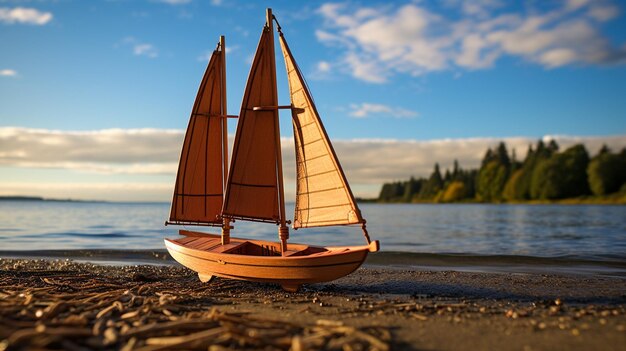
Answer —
545 174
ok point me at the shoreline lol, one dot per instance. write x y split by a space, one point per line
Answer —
611 266
46 303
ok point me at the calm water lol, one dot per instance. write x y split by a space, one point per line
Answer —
587 232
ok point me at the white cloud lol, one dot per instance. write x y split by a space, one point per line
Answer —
365 68
145 50
205 56
216 2
244 32
604 13
24 15
323 66
413 39
481 8
140 153
8 73
575 4
140 48
133 151
365 109
323 71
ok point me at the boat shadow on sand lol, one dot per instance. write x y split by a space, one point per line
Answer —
480 286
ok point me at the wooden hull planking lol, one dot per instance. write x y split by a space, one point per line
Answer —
260 261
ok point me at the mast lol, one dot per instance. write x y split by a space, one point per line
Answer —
226 221
283 230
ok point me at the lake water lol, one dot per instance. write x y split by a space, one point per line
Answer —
505 234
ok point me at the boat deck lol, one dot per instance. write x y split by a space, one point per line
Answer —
248 247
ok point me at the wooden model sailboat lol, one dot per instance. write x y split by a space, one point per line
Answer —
209 193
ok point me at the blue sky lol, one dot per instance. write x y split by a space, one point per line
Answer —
405 71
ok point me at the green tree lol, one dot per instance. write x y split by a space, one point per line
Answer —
562 175
456 170
391 192
447 177
509 192
491 181
455 191
411 188
606 172
433 185
576 161
493 175
521 188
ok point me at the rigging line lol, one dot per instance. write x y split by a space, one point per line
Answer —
336 222
329 206
278 27
184 223
307 124
312 142
252 219
313 158
318 174
320 191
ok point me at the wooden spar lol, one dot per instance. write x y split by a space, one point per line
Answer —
270 108
283 230
226 221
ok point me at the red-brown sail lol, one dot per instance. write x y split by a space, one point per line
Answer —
198 192
252 191
323 196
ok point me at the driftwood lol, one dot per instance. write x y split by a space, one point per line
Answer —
77 311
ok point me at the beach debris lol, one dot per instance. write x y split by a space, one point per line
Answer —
133 311
73 306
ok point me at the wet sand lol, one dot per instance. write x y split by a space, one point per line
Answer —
59 304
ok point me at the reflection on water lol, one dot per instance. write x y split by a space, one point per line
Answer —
528 230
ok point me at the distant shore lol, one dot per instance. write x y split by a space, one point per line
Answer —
39 198
613 199
63 304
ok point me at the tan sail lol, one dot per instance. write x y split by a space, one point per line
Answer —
198 191
323 196
252 189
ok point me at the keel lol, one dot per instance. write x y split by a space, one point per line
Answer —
291 287
205 278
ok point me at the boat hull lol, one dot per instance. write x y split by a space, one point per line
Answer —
308 264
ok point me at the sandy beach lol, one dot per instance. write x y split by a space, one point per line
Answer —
61 304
